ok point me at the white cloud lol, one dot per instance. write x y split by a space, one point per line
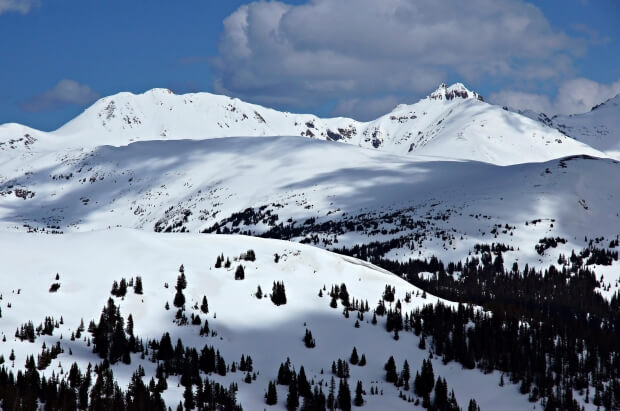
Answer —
63 93
522 101
580 95
574 96
366 109
20 6
307 54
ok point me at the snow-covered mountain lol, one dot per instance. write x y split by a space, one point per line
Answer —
452 122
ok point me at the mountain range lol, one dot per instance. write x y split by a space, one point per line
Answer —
452 123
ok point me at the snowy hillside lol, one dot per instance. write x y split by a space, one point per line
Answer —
84 267
452 122
328 194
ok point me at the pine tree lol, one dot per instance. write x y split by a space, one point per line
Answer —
137 288
390 370
359 400
354 359
331 396
405 375
473 405
188 397
292 399
239 273
362 361
308 340
422 343
204 306
344 396
303 386
259 292
179 299
424 381
278 293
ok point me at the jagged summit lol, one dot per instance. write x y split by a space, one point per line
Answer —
456 90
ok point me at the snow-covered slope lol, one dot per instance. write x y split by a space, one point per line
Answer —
88 263
330 194
598 128
452 122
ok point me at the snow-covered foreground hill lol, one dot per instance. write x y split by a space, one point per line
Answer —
452 122
325 193
87 264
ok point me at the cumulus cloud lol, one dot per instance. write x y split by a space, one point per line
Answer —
272 52
574 96
63 93
20 6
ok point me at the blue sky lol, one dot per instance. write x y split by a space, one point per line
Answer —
330 57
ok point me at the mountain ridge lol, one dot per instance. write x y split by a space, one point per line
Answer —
451 122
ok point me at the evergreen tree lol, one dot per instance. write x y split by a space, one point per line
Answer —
354 359
425 380
278 293
239 273
303 386
358 400
292 398
344 396
473 405
188 398
204 306
441 394
179 298
308 340
331 396
405 375
137 288
390 370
